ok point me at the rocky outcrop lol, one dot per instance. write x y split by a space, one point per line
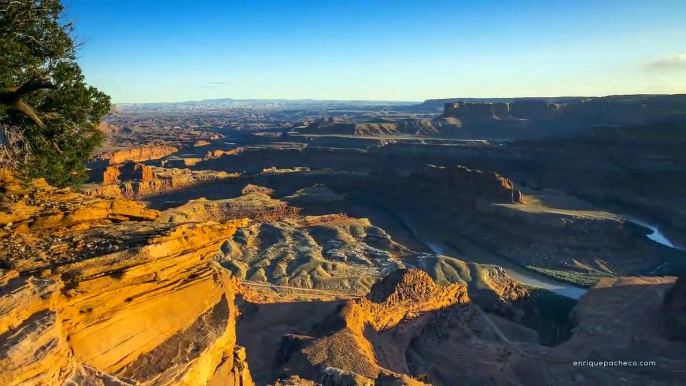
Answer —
233 371
40 207
336 377
178 162
356 339
250 188
469 113
259 207
94 291
140 154
137 181
218 153
479 120
488 186
122 172
535 110
407 293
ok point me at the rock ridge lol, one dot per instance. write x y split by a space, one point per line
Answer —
115 297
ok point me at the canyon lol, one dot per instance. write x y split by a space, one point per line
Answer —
464 241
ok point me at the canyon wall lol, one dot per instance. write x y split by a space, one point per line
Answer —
488 186
630 110
136 181
95 291
364 129
140 154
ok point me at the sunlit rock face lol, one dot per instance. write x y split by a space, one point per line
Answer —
96 291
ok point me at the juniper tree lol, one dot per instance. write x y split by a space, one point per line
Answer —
48 114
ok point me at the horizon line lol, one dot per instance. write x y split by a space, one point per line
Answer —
398 101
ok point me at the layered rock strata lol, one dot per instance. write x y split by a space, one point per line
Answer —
94 291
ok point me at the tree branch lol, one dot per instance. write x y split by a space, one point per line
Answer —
28 112
13 94
11 97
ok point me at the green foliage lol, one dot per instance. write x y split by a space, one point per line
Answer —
37 44
581 279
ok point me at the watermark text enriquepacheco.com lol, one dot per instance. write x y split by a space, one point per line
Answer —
614 363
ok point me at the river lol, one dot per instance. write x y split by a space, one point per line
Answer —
470 252
656 235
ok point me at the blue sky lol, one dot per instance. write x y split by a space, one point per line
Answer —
169 50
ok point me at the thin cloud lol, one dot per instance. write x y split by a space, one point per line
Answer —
213 85
671 62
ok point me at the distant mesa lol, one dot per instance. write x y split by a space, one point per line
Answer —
612 110
510 118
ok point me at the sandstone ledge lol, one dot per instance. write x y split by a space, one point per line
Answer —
95 291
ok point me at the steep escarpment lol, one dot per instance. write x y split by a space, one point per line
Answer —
382 128
528 117
95 291
136 181
140 154
470 183
407 126
357 337
122 172
478 112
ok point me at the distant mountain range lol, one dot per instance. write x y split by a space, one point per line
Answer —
230 101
